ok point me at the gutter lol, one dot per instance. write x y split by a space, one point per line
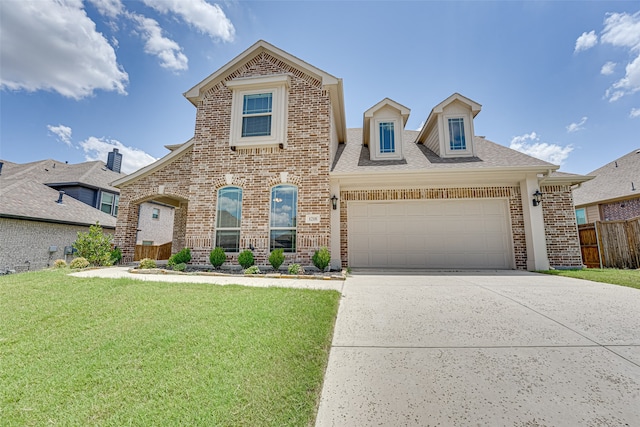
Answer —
54 221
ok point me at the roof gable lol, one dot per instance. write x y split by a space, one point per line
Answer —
386 103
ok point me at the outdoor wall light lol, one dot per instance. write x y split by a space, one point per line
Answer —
334 202
537 198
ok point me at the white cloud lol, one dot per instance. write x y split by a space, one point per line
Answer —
167 50
420 125
54 45
574 127
635 112
623 30
132 158
206 18
530 144
62 132
109 8
608 68
586 41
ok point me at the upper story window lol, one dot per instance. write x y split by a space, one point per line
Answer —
256 114
109 203
259 111
283 218
581 216
228 218
155 214
457 140
387 137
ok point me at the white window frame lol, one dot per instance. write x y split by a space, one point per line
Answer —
468 136
278 86
397 134
584 212
155 215
113 206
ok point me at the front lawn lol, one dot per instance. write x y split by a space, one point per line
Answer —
630 278
77 351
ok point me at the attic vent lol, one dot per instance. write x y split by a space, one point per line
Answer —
60 194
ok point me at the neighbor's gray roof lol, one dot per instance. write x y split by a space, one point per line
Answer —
23 193
418 157
611 181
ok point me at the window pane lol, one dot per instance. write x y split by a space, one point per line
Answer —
229 207
155 214
106 202
387 138
283 239
259 103
115 208
456 134
581 217
256 126
229 240
284 206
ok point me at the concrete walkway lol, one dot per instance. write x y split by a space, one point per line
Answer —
260 281
497 349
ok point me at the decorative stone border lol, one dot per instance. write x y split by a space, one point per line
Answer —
341 276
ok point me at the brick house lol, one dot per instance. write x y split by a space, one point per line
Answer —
613 193
272 165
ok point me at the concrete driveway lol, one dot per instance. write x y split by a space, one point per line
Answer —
491 348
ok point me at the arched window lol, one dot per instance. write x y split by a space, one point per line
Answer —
228 218
283 219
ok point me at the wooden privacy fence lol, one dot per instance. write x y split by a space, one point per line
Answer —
152 251
612 244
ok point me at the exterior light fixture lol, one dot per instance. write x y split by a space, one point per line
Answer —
537 198
334 202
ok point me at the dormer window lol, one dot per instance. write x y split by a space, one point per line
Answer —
457 139
259 111
387 138
382 130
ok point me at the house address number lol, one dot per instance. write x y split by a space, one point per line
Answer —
313 219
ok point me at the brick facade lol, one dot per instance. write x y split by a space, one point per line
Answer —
624 209
24 240
561 230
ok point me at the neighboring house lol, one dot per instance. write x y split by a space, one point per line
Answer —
155 224
44 204
613 194
272 165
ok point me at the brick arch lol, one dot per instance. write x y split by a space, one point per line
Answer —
234 180
278 178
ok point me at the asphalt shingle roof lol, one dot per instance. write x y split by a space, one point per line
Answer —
612 181
24 193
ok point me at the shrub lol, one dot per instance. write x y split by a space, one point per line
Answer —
181 257
295 269
276 258
217 257
321 258
59 263
180 267
245 259
147 263
116 255
79 262
252 270
95 245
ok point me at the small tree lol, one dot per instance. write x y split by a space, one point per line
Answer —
276 258
245 259
95 246
217 257
321 258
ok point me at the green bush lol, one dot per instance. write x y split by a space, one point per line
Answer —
79 262
116 255
321 258
181 257
295 269
95 245
276 258
59 263
245 259
217 257
147 263
252 270
180 267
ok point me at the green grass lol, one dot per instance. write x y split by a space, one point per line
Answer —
630 278
77 351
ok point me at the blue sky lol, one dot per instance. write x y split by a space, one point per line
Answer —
559 80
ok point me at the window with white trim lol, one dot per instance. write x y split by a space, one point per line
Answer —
283 218
109 203
581 216
457 139
387 137
229 218
259 111
155 213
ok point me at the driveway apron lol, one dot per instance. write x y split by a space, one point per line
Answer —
496 348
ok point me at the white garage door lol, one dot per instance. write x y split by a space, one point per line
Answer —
430 234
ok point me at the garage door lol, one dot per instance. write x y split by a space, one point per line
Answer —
430 234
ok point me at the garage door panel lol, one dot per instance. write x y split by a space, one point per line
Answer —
430 234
